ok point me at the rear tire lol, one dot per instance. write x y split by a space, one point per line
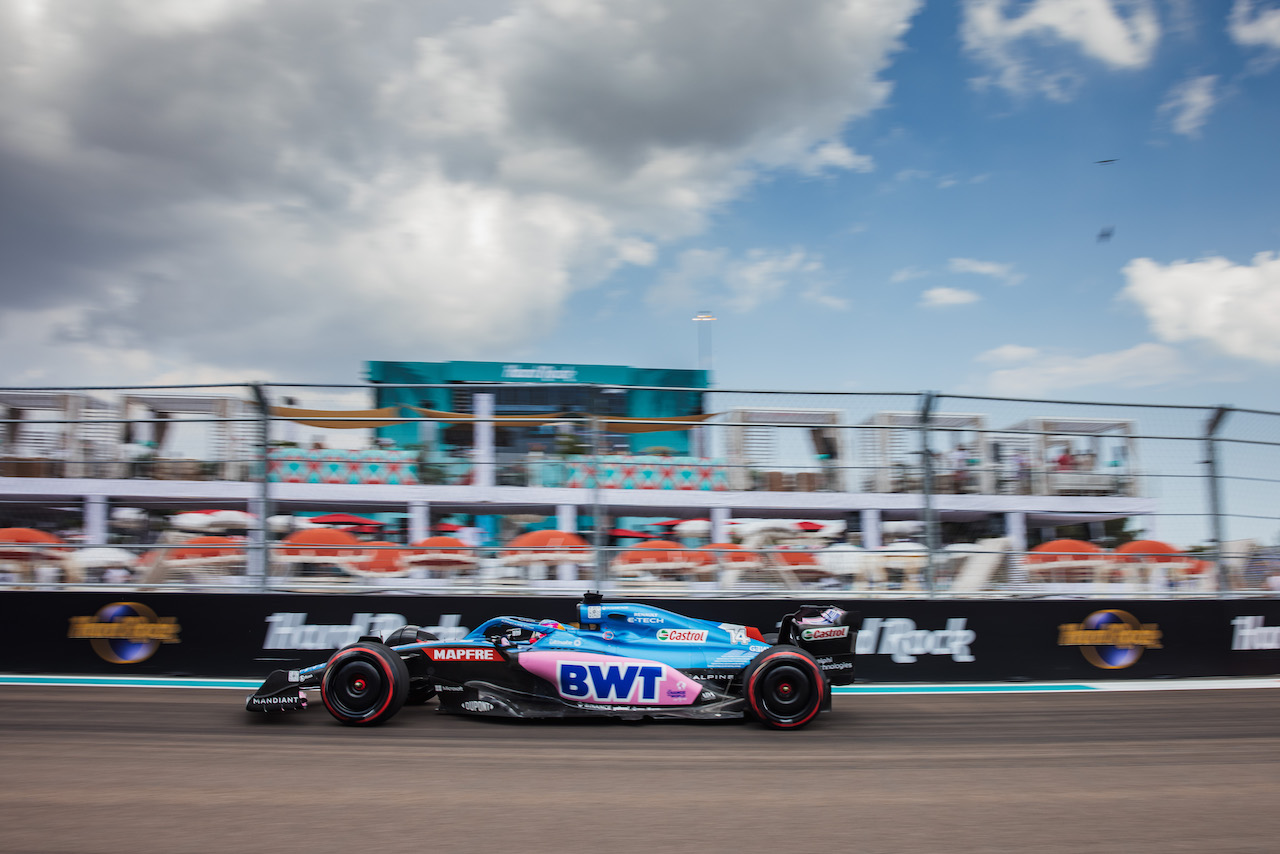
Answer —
365 684
784 687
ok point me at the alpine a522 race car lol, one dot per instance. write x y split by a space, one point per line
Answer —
619 660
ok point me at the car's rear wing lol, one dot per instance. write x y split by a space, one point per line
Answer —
828 634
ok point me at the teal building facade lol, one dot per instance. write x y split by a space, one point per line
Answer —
531 389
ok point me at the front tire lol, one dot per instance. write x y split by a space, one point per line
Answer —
421 689
784 687
365 684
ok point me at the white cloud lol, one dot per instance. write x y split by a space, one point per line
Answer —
1043 373
996 270
1008 354
743 283
395 180
1254 28
1233 307
941 297
906 274
1189 103
834 155
1016 44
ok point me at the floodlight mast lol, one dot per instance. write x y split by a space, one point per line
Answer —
703 318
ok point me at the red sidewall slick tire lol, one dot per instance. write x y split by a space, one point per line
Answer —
365 684
784 687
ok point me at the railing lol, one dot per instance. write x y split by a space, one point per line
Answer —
982 480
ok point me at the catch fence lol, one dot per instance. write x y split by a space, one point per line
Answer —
738 492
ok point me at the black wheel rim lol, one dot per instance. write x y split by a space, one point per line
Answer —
355 689
786 692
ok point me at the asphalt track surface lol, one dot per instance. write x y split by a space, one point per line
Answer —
98 770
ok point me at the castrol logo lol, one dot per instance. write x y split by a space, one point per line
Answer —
825 634
683 635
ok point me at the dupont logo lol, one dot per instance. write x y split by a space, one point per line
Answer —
825 634
462 653
683 635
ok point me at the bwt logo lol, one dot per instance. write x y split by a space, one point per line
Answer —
609 682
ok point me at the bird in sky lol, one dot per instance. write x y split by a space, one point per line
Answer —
1112 160
1105 234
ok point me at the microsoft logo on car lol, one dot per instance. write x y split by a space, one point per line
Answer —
683 635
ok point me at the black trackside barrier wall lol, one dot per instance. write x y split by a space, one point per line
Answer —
249 635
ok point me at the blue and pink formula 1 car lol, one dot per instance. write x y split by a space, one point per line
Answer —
619 660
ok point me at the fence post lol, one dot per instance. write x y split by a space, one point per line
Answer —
597 524
260 559
930 522
1215 492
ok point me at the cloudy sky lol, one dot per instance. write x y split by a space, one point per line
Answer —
868 194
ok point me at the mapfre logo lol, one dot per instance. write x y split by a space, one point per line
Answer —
125 632
461 653
1111 639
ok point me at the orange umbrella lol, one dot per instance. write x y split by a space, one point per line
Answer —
441 553
27 544
381 557
204 551
661 555
1148 551
1178 563
1069 559
730 556
1059 551
322 545
802 564
320 542
547 546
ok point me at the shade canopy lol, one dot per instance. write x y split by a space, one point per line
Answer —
440 552
381 558
202 551
1149 551
796 559
320 542
27 543
344 519
1057 551
661 555
730 555
340 419
504 420
547 546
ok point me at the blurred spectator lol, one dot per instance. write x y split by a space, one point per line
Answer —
534 461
